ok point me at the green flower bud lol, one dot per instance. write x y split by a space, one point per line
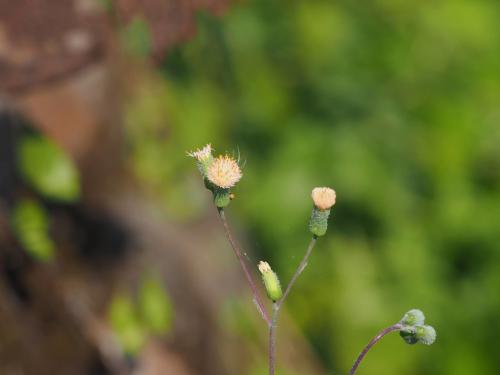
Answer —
271 281
222 197
425 334
318 224
420 333
413 317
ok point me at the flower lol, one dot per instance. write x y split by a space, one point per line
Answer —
224 172
323 197
202 154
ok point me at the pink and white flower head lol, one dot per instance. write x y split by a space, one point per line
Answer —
323 197
224 172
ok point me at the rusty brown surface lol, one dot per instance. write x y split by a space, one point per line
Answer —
169 21
44 40
47 40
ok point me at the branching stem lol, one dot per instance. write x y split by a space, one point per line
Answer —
277 306
271 322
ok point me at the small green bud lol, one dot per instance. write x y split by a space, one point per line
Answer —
318 224
413 317
420 333
408 334
271 281
425 334
222 197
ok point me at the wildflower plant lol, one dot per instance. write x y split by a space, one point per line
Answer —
220 175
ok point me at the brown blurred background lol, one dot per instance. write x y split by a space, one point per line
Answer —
65 74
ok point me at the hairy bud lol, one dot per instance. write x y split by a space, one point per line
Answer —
271 281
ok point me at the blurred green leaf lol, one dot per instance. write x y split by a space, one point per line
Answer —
155 306
392 103
127 325
48 169
31 225
136 38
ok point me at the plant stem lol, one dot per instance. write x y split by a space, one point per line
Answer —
271 322
299 270
373 341
277 306
272 339
241 259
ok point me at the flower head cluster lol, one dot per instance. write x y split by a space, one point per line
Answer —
323 198
220 174
224 172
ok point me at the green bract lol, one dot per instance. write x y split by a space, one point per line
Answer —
222 197
318 224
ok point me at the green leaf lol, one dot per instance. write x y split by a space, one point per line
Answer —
31 225
48 169
126 324
155 306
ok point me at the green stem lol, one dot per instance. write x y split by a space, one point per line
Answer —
299 270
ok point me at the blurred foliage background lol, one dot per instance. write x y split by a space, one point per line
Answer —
394 104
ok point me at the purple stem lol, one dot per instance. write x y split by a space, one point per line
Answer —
395 327
241 259
272 340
